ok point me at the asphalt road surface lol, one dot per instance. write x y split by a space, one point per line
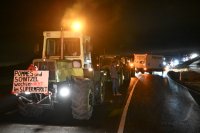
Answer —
159 106
105 119
155 106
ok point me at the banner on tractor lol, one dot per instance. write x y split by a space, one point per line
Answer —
30 81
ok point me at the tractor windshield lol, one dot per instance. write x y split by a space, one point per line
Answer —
71 47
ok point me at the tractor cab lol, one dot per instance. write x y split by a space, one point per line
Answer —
65 54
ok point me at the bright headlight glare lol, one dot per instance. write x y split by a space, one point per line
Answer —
64 92
131 65
90 69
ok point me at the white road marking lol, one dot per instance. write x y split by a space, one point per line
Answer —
123 118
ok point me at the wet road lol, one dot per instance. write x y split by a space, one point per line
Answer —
157 106
105 118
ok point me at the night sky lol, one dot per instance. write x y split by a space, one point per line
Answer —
117 26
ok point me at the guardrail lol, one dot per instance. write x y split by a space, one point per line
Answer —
173 81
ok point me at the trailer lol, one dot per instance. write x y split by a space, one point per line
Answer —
148 63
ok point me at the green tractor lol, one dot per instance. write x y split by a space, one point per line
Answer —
72 79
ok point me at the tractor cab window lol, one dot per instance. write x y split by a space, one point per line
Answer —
53 47
72 47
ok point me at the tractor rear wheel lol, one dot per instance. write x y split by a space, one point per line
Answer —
82 99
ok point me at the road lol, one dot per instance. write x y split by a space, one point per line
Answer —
105 118
155 106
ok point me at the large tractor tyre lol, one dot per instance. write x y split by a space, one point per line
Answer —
82 99
29 110
99 92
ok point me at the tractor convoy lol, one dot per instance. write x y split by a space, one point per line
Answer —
68 74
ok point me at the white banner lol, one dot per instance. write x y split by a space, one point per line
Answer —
30 81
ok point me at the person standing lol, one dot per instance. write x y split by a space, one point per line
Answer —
114 79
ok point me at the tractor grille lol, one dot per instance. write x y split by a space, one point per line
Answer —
46 65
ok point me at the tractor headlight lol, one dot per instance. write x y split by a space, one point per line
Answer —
64 92
90 69
131 65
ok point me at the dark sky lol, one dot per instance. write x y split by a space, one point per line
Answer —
114 25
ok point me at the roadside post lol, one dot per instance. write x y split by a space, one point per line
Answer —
180 75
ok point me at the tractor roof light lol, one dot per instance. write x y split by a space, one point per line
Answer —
76 26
